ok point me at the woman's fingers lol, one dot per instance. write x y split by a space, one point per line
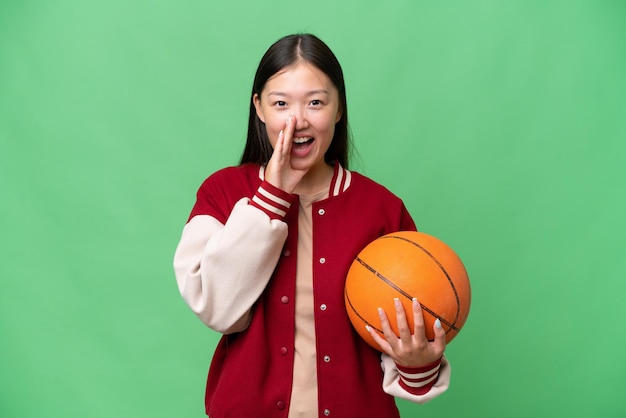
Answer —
403 327
418 319
390 336
384 345
278 171
279 145
440 337
288 136
409 347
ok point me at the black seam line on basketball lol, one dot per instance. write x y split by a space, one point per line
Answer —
380 331
403 293
456 295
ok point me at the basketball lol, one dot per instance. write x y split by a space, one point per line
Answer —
405 265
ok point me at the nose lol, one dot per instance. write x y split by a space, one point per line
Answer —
301 119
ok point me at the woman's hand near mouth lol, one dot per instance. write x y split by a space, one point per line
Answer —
279 172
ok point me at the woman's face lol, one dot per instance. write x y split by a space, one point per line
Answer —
309 95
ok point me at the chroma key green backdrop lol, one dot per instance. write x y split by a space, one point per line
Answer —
502 125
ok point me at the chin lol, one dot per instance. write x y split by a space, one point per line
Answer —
301 165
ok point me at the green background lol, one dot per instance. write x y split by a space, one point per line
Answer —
502 125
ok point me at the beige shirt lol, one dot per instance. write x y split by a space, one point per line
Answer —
304 390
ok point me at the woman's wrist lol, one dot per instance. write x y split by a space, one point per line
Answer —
272 200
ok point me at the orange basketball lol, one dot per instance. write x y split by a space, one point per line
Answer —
405 265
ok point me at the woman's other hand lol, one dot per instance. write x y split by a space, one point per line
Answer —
410 349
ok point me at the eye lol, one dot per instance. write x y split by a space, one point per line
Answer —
280 103
316 102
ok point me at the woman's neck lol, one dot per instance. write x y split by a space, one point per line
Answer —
317 179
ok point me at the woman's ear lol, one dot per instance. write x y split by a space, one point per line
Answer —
339 115
257 105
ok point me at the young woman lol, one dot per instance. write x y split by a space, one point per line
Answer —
265 252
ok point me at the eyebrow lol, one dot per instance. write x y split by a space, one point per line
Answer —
309 93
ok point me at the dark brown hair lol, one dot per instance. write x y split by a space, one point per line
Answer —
283 53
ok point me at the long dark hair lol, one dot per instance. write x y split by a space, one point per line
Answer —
283 53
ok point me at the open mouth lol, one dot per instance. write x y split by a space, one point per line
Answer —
302 146
302 142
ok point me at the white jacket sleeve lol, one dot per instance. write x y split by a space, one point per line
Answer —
221 270
391 381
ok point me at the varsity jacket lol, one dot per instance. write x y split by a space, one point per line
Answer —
235 267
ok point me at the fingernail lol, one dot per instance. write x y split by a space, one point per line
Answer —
280 133
396 301
438 323
380 311
367 327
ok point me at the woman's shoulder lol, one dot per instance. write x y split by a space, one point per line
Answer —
377 204
219 192
365 184
231 183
